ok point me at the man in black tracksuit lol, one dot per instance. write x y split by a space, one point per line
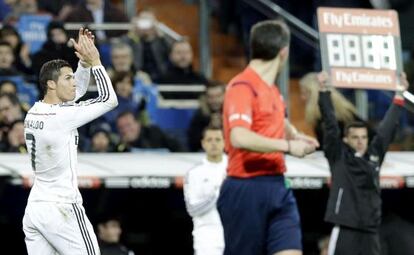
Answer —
354 204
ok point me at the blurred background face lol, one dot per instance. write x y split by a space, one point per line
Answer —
213 143
124 87
121 59
16 134
100 142
12 39
8 112
216 120
58 36
128 128
215 98
357 138
8 88
6 57
110 231
181 55
145 25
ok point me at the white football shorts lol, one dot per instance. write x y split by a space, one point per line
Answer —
58 228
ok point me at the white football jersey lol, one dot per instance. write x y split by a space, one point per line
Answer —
52 137
201 190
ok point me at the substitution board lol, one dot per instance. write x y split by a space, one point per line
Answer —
360 48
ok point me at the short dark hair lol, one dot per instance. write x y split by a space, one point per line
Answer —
180 41
50 71
120 76
210 128
9 30
15 122
3 82
14 100
54 25
354 124
104 218
125 113
267 38
6 44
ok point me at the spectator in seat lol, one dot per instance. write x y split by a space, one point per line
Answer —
21 51
122 61
127 100
101 138
150 48
56 47
7 67
10 111
181 68
15 137
135 136
98 11
8 87
209 114
109 234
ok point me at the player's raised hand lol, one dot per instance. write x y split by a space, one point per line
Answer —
77 44
402 86
299 148
85 48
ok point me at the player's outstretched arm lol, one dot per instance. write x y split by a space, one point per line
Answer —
77 115
388 126
331 133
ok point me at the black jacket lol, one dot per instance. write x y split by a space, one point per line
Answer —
355 196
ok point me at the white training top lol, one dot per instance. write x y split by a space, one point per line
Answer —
201 191
52 137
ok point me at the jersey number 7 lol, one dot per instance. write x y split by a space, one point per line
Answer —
30 137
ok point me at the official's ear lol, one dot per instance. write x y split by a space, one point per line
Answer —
345 140
284 53
51 85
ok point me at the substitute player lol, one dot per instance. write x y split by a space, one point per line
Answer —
201 190
257 209
55 220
